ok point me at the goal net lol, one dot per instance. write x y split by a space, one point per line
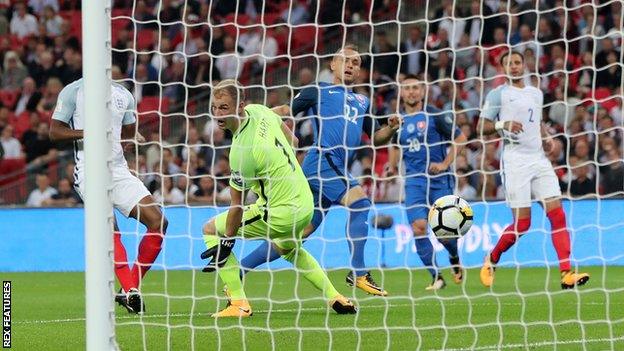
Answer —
170 54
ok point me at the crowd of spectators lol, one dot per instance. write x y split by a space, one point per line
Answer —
573 52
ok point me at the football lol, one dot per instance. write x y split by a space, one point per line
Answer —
450 216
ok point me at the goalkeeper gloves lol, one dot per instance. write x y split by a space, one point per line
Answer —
218 254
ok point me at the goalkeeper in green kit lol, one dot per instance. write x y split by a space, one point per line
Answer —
261 160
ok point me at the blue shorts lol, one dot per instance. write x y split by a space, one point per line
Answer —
417 203
327 178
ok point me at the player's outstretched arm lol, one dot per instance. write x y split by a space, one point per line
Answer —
385 134
458 144
306 99
394 156
60 131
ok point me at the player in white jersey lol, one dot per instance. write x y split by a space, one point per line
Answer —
128 193
515 112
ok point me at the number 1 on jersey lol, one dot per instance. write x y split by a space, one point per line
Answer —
279 145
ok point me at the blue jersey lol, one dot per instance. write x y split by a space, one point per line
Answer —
423 139
340 117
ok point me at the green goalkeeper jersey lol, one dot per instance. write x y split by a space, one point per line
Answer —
262 160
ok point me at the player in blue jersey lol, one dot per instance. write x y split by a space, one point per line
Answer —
422 145
340 117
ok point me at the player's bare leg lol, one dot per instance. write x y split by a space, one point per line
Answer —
357 231
427 254
561 242
149 214
521 223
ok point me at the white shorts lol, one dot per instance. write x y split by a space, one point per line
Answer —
127 190
528 178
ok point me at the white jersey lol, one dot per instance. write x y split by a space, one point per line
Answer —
127 190
524 105
526 172
70 109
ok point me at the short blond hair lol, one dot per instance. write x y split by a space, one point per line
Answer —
230 87
347 46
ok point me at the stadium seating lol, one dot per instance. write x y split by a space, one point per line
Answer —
152 111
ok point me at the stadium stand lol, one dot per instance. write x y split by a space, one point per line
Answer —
172 89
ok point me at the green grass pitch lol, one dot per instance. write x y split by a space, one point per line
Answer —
526 310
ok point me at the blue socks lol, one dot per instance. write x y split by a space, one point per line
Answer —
357 232
451 246
262 254
425 251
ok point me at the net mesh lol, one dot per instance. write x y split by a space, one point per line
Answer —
171 53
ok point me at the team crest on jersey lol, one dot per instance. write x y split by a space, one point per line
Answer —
421 126
360 98
119 104
410 128
349 98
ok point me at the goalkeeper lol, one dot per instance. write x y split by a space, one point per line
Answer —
261 160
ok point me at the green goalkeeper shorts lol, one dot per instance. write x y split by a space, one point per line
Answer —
282 225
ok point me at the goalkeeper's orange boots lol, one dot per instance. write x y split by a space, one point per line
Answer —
366 283
570 279
235 308
487 272
342 305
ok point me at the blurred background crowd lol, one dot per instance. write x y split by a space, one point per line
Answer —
169 53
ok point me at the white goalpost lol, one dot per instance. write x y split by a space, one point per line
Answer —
99 284
167 58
